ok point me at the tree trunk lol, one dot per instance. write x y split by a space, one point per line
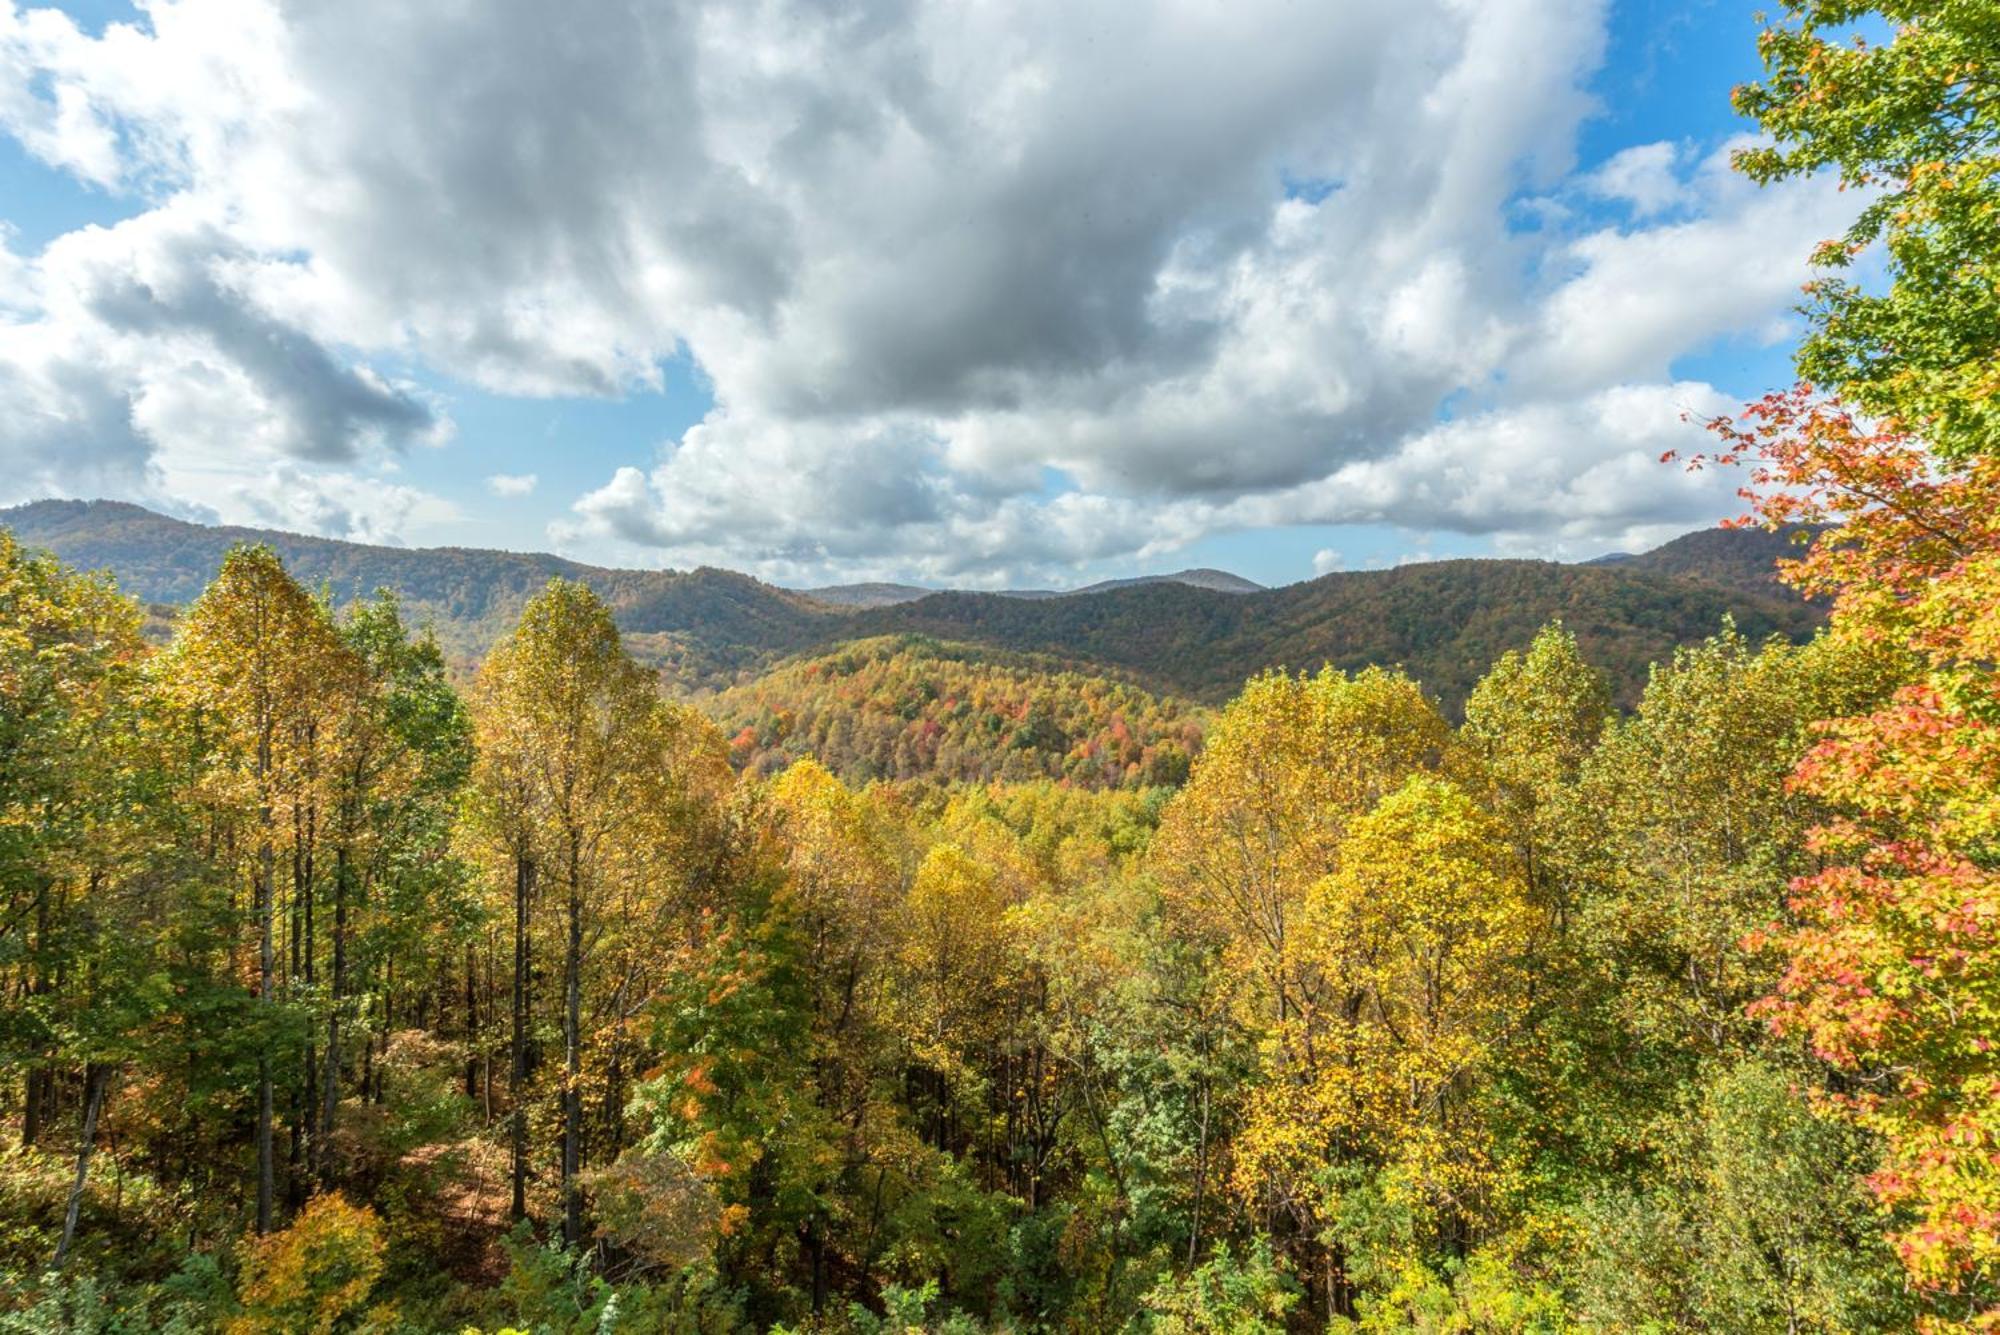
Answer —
573 1060
309 1071
95 1078
266 968
39 1080
330 1083
524 877
471 1020
32 1097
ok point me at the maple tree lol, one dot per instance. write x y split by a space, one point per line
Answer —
1895 971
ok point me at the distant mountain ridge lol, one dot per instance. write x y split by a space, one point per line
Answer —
873 594
473 596
1737 558
888 595
1444 621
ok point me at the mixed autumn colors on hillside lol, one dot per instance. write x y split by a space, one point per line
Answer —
1495 946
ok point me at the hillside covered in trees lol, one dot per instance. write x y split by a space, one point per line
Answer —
906 707
712 628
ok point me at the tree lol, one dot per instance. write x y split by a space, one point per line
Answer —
69 650
308 1279
1287 766
842 889
80 777
403 756
1414 955
1914 123
1758 1222
1694 834
259 664
1894 965
574 740
1530 725
1893 972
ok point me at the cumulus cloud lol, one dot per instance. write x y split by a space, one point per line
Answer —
980 291
1643 177
337 505
1562 477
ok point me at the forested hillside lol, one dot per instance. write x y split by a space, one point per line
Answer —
1737 558
1443 620
703 622
905 707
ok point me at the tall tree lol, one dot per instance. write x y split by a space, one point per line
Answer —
565 718
1912 124
259 662
1416 951
1530 725
1287 766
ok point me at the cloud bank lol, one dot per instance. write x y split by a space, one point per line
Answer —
981 291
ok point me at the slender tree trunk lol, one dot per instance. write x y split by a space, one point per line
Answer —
330 1083
1200 1159
309 1072
31 1106
95 1078
524 878
37 1083
486 1053
266 970
573 1059
471 1020
816 1246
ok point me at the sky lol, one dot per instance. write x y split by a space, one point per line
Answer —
955 292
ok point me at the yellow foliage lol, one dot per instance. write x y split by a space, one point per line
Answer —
1411 979
1287 767
309 1278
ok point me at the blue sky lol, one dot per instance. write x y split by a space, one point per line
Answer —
869 325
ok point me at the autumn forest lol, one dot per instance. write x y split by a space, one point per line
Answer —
355 984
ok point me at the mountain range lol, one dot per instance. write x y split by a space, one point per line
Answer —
1195 634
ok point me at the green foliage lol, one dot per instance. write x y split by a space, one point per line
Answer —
1914 123
1228 1294
1758 1223
1481 1295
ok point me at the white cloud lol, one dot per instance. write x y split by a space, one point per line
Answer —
512 484
981 290
1562 478
337 505
1326 560
1643 177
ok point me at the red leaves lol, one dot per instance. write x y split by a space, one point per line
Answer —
1894 968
